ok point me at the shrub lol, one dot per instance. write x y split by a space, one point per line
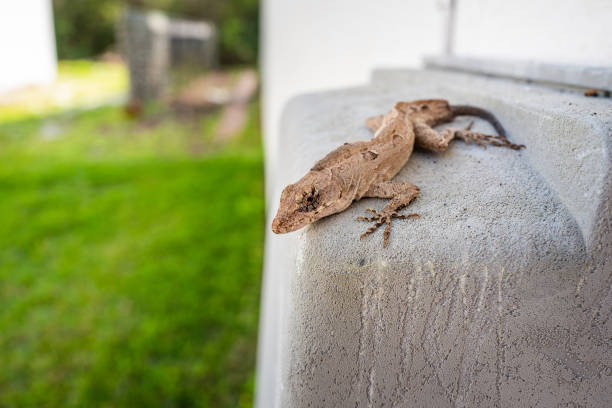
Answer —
87 28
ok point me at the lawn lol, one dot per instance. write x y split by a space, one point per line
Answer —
130 259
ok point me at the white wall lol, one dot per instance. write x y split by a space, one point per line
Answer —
557 31
27 43
320 44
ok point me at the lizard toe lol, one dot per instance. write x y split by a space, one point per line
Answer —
384 218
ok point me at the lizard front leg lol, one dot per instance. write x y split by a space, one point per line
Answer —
429 139
375 122
401 195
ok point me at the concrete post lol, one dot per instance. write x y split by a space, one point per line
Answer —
145 44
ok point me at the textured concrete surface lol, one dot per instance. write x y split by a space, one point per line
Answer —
499 295
564 74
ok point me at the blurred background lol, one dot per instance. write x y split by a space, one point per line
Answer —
131 203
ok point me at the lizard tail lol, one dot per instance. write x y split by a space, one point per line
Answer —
461 110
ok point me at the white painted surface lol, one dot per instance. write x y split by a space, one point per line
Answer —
27 43
556 31
321 44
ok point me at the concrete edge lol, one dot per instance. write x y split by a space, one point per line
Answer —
561 74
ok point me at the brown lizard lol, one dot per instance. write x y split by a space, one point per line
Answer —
365 169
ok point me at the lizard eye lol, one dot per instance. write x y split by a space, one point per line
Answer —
309 200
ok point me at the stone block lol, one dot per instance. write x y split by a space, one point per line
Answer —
499 295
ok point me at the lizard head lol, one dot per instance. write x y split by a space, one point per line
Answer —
314 196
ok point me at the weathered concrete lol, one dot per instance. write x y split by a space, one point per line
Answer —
500 295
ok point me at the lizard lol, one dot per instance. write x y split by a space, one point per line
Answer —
365 169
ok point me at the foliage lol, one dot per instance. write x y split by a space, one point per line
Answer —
86 28
129 263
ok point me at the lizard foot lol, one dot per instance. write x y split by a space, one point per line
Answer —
381 218
482 139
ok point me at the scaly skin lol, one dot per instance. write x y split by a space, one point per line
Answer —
365 169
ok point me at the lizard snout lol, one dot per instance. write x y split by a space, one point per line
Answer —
278 226
287 214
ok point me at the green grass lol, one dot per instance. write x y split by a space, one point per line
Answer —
130 258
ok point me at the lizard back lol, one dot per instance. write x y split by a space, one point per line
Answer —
359 165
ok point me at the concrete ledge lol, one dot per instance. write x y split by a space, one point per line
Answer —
500 295
568 135
562 74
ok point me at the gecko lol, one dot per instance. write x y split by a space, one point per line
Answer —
365 169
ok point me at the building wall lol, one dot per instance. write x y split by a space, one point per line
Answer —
27 43
553 31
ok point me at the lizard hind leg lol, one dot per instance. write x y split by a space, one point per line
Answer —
401 194
480 139
375 122
430 139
